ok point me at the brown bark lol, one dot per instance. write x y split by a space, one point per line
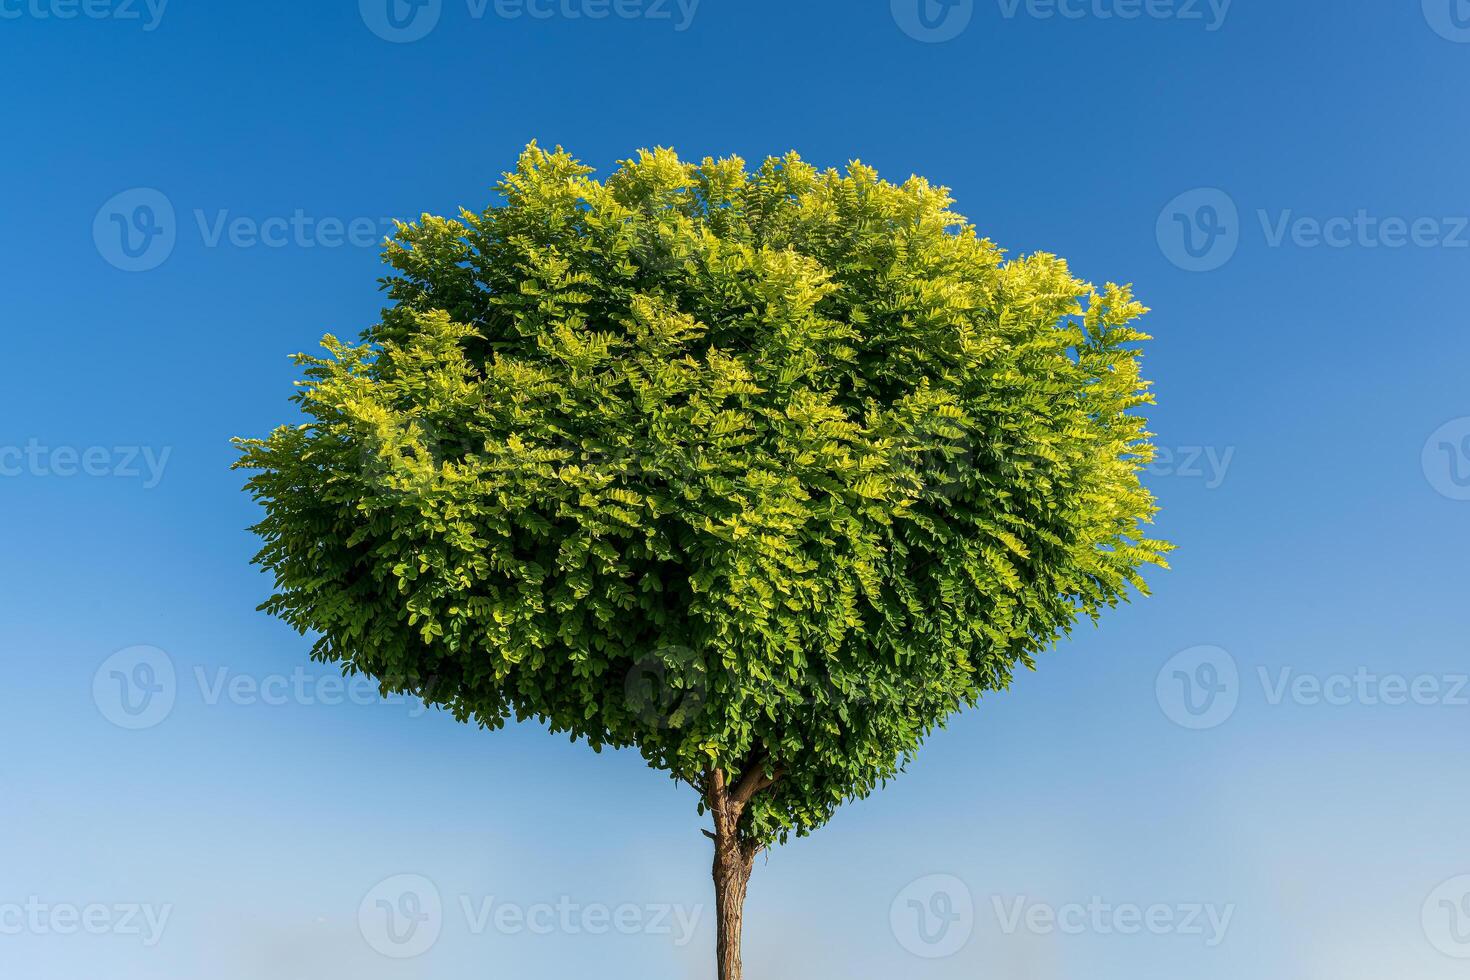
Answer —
733 864
734 859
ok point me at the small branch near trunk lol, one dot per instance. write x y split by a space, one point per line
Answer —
753 781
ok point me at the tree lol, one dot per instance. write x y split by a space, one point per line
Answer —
760 473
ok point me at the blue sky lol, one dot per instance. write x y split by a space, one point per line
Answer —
1256 772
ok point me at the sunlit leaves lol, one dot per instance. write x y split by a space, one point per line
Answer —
720 464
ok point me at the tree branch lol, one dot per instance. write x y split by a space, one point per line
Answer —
753 780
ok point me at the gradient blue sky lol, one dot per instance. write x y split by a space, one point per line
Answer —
1322 532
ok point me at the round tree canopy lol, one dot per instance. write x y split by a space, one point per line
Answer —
764 472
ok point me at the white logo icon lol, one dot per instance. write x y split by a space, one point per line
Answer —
1446 917
1199 230
136 231
401 21
1446 459
402 916
933 21
1199 688
933 917
1449 18
136 688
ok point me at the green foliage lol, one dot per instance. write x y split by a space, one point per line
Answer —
743 469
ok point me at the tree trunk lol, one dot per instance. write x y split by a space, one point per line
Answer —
734 860
734 855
